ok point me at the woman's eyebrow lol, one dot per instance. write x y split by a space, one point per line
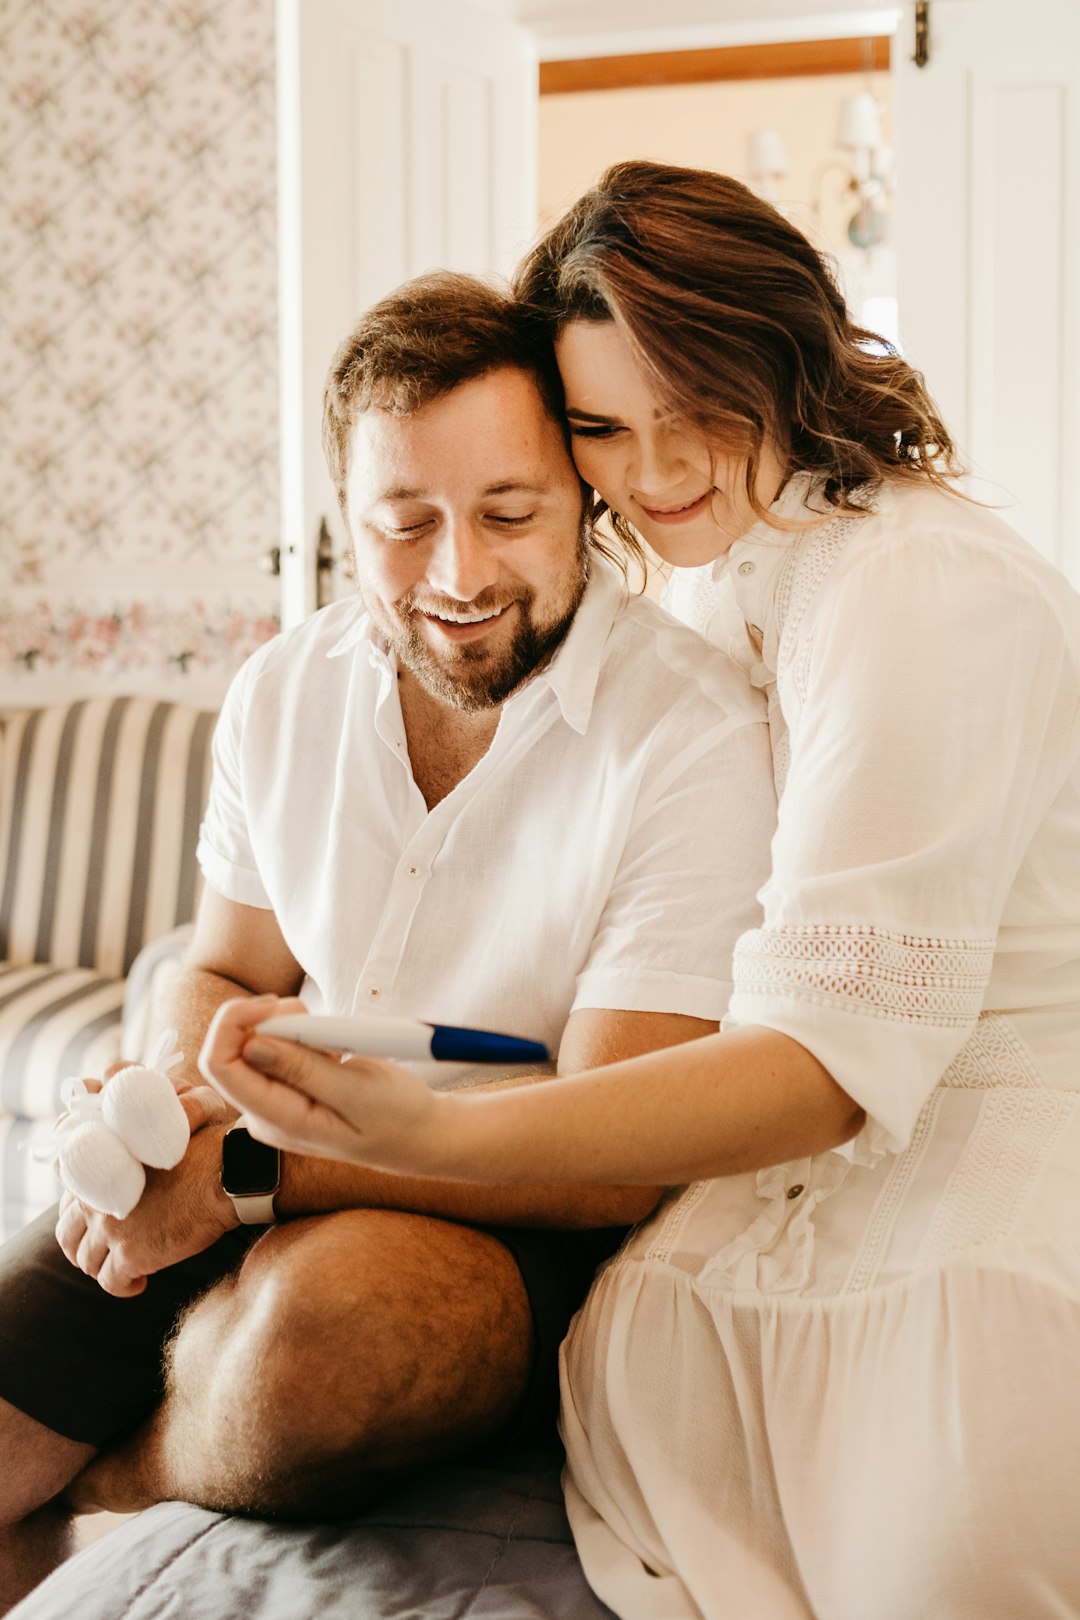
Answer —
587 416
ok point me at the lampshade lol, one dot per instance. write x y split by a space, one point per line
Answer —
860 123
765 155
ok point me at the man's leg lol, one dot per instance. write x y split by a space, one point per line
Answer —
347 1350
34 1538
77 1368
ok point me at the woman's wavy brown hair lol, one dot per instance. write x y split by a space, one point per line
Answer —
737 319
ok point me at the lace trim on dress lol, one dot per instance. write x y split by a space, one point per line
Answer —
865 1270
799 672
671 1219
857 968
997 1169
811 560
802 575
994 1056
780 740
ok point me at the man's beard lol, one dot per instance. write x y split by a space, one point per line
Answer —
471 677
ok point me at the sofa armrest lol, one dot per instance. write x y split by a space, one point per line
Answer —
155 969
100 803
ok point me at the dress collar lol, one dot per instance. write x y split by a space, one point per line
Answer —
755 561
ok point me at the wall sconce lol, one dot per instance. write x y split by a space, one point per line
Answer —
868 168
859 134
766 161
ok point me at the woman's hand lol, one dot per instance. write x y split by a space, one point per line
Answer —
365 1110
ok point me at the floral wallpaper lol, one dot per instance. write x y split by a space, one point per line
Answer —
138 338
133 637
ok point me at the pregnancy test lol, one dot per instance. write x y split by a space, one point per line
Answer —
406 1038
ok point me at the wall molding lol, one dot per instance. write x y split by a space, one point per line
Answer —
782 59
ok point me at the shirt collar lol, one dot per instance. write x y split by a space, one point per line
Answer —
573 672
359 629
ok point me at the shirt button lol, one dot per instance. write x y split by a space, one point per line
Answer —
746 567
413 870
373 991
793 1192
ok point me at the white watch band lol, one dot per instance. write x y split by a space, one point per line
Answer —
254 1209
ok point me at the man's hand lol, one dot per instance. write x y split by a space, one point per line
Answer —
365 1110
181 1212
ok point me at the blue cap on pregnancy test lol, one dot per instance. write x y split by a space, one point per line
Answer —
452 1045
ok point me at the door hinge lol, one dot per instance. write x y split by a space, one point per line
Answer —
325 563
922 33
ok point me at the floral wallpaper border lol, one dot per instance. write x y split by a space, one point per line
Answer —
120 638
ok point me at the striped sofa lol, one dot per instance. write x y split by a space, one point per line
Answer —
100 803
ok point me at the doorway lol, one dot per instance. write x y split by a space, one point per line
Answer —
774 115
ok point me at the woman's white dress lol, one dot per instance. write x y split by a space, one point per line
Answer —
849 1387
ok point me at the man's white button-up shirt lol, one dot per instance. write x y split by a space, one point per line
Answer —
605 852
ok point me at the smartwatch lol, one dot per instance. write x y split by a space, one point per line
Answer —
251 1175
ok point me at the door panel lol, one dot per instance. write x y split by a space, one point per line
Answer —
416 134
988 242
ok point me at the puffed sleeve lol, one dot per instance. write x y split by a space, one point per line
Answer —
932 702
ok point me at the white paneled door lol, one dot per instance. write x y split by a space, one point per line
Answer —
988 248
408 131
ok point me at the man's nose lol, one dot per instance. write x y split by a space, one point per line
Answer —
462 562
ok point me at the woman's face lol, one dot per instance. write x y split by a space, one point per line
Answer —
653 468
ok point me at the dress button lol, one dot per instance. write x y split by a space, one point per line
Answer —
746 567
793 1192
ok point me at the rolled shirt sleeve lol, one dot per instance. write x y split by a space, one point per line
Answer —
932 707
224 851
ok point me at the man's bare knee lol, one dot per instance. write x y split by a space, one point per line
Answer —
347 1350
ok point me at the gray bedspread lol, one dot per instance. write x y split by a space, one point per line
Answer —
461 1542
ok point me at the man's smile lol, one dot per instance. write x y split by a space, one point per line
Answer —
463 624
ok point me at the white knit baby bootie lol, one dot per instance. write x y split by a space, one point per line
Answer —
104 1140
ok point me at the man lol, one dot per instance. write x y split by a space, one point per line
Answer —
499 791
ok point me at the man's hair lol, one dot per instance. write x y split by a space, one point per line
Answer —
422 340
736 319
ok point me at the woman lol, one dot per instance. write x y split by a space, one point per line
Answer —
833 1377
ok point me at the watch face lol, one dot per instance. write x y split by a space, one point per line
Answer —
248 1168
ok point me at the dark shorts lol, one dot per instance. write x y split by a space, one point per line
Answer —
89 1366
